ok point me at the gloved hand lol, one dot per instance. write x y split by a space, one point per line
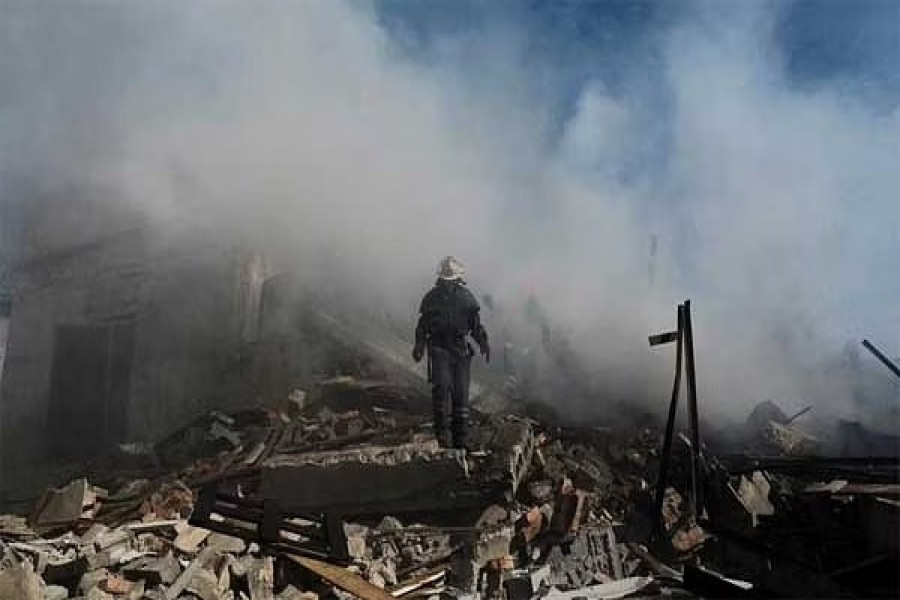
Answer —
418 352
486 352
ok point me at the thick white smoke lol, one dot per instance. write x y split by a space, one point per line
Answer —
303 125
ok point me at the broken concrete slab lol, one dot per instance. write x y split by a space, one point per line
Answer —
190 538
355 477
225 544
63 506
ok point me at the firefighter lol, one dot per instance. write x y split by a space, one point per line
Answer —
448 314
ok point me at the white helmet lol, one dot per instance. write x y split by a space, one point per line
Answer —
451 269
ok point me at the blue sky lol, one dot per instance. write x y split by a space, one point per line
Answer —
849 47
853 45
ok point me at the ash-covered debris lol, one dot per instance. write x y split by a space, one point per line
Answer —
345 493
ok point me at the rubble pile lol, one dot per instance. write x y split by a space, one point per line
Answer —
343 492
150 557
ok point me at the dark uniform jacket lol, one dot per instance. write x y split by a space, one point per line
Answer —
448 313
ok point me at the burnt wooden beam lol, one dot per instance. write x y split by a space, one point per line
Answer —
881 357
666 454
693 410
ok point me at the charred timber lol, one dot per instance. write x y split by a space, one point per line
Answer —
881 357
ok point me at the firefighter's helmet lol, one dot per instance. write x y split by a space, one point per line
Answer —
451 269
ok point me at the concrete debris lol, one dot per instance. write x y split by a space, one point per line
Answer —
360 476
55 592
790 440
261 579
754 495
761 415
190 538
690 537
116 584
15 527
769 429
205 585
20 582
346 496
186 577
292 593
92 579
613 589
226 544
672 508
98 594
65 506
153 570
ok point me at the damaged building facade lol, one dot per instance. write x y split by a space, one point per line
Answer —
119 328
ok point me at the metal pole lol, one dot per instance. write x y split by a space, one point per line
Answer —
693 411
798 415
666 455
880 356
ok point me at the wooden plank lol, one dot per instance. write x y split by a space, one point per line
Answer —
663 338
342 578
144 527
430 576
844 488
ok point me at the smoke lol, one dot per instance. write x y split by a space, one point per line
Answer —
325 129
